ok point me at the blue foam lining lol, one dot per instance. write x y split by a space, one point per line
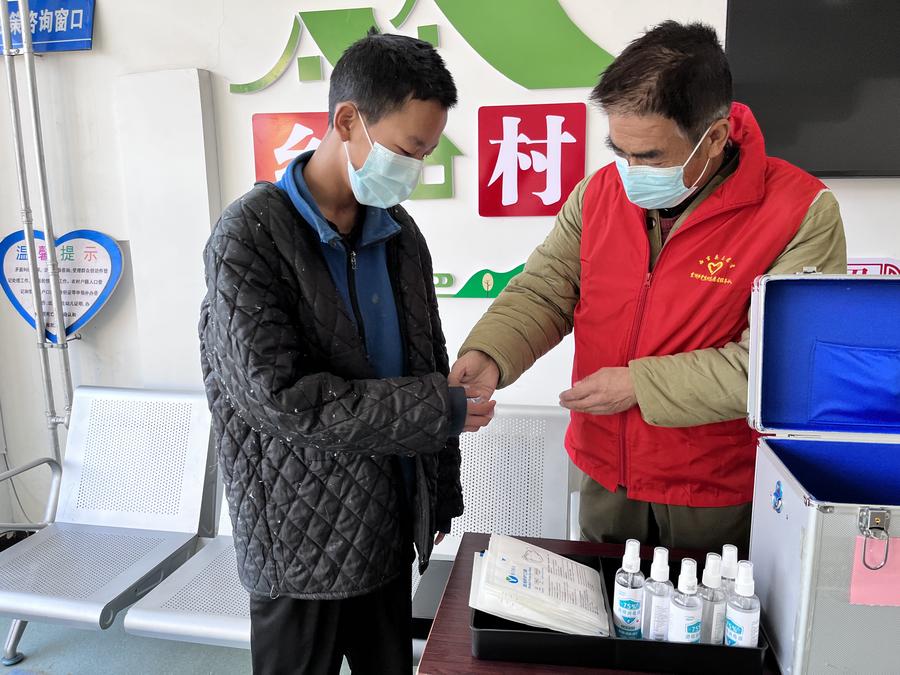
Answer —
840 472
832 355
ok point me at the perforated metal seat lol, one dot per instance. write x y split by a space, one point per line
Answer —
203 601
515 476
136 467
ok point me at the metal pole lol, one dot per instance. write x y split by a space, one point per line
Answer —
27 225
43 191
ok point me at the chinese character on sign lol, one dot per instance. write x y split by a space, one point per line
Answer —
62 20
67 254
530 157
55 25
46 20
90 253
15 23
278 138
42 253
21 253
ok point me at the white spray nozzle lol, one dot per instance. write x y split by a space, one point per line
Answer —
712 571
687 580
729 561
744 585
659 570
632 561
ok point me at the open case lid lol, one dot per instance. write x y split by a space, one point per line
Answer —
825 357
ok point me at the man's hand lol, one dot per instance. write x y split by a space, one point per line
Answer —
438 538
606 392
479 407
476 368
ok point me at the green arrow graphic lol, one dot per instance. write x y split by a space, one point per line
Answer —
532 42
336 29
485 283
442 156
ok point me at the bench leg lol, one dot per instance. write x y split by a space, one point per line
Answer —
11 653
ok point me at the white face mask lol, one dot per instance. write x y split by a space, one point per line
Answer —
655 187
386 178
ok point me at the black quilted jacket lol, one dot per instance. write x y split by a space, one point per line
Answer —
306 436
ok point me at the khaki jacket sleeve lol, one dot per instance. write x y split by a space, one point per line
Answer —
710 385
535 311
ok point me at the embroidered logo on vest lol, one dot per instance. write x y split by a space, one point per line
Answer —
714 270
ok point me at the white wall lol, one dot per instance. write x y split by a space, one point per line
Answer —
238 42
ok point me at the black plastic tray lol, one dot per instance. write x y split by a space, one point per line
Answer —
497 639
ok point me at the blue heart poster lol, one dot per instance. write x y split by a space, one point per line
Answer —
90 265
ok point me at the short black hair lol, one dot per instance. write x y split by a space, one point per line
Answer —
382 71
679 71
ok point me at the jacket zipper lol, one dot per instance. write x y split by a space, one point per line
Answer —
354 302
393 272
632 347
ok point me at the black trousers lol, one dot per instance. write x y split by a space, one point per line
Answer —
311 637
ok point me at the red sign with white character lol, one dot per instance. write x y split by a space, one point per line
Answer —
278 138
530 157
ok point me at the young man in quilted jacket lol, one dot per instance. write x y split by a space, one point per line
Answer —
651 262
326 372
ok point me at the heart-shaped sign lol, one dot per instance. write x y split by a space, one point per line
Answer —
90 266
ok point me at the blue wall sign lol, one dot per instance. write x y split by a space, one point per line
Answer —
56 25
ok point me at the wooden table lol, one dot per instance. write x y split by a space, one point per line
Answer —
449 647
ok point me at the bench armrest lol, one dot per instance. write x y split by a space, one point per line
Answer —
52 499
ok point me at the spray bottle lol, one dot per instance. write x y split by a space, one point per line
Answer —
629 593
713 596
657 595
685 611
742 614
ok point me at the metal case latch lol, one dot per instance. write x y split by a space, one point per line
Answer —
874 524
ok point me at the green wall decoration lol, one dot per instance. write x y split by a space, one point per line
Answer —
278 69
309 68
403 14
532 42
442 156
429 34
443 280
485 283
336 29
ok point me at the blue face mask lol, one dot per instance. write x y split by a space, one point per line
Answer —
386 178
654 187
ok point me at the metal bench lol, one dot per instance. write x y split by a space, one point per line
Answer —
136 466
515 479
202 601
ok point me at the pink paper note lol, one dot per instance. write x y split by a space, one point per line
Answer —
880 587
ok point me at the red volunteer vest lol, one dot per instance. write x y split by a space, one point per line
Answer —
697 297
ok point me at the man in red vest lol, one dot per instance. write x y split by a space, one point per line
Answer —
651 262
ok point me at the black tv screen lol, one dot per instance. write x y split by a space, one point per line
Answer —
823 79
